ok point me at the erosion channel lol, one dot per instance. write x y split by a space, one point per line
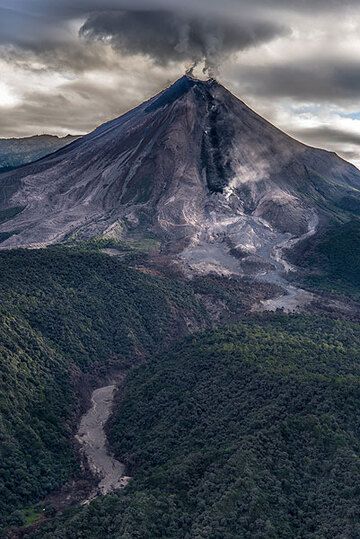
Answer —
92 437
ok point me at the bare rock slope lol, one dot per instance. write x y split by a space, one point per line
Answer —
194 167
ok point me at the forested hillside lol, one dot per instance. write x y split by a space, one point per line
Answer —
65 312
333 259
247 432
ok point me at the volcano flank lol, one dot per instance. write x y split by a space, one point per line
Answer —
221 188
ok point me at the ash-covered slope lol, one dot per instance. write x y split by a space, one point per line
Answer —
193 166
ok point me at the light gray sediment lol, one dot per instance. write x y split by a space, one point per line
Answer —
92 438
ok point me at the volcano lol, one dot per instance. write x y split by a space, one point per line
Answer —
194 167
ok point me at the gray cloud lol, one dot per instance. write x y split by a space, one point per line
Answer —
344 143
350 156
30 30
327 135
185 33
163 29
330 79
167 36
49 111
69 7
71 56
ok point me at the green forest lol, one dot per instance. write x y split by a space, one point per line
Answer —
250 431
66 312
332 259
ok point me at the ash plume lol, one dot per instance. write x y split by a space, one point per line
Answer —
166 36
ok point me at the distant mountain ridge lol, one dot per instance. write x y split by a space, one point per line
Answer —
15 152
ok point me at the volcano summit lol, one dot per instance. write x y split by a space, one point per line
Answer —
220 187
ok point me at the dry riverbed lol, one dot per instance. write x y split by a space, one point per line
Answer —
94 446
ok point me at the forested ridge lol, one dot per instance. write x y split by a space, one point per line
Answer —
250 431
65 312
332 259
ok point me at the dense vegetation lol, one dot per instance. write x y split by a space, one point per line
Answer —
63 313
246 432
333 259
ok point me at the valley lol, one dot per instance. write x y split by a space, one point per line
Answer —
109 288
269 402
69 318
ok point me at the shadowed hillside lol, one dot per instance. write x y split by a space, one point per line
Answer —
64 314
251 431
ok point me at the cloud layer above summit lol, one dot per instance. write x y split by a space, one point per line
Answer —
68 66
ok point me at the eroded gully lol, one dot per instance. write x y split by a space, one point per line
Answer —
91 435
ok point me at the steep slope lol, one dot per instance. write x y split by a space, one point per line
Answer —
64 314
331 260
193 166
246 432
15 152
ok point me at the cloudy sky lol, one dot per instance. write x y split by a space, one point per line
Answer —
68 65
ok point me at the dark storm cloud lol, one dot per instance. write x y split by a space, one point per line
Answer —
24 29
186 30
69 7
166 36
